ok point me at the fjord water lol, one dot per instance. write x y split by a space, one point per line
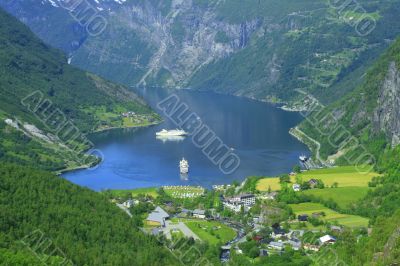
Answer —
257 132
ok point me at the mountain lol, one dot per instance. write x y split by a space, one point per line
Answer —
46 219
259 49
48 106
370 114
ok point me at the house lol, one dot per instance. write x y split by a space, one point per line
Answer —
296 245
276 245
313 183
277 232
245 199
296 187
296 233
302 218
269 196
201 214
336 228
310 247
157 217
236 207
327 239
130 203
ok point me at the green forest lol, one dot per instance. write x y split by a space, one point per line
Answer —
35 82
83 225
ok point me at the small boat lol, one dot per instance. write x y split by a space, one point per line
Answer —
184 166
174 132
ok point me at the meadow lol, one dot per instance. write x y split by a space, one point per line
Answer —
343 196
211 231
152 191
344 176
330 215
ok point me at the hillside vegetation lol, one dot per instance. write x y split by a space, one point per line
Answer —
83 226
369 114
39 88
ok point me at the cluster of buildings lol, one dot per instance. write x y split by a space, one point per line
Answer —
221 187
312 183
128 114
236 203
281 239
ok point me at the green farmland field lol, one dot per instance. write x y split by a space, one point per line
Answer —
331 215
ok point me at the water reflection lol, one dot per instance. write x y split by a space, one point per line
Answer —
170 138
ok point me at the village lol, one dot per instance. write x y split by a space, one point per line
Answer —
245 218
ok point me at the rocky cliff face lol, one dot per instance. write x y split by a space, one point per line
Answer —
387 114
258 49
145 42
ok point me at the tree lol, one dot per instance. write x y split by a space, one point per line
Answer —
284 178
297 169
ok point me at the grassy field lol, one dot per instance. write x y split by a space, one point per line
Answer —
268 182
211 231
152 191
331 215
345 176
343 196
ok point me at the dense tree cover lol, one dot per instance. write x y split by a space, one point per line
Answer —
87 101
82 224
289 257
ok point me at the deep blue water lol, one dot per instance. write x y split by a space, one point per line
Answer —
257 132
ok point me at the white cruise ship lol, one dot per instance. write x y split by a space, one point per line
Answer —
174 132
184 166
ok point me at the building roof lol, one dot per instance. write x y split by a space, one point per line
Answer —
245 196
335 227
327 238
199 212
158 215
294 244
276 244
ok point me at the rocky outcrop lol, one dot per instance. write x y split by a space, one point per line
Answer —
387 114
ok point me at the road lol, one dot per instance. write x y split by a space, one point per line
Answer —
179 226
122 207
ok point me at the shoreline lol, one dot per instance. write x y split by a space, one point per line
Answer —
82 167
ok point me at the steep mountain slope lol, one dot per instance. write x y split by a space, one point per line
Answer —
371 113
258 49
44 215
46 105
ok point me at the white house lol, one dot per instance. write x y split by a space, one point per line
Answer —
245 199
327 239
232 206
276 245
296 187
201 214
129 203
